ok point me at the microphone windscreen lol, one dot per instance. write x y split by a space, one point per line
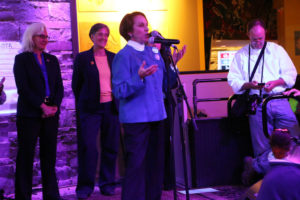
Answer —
156 34
151 40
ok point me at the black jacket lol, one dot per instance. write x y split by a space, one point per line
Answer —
85 81
30 83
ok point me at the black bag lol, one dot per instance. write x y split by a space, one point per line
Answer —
245 103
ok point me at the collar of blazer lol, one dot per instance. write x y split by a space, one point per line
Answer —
91 57
47 60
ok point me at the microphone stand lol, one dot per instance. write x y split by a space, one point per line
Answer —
170 121
181 95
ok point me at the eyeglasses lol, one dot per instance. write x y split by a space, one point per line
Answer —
43 36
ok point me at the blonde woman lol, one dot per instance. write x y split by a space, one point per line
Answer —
40 90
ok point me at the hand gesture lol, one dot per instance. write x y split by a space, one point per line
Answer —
178 54
146 72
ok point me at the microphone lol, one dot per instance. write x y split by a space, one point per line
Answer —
153 40
157 38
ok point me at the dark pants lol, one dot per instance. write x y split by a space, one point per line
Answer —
144 144
29 129
90 123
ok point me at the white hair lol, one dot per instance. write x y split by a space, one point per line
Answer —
32 29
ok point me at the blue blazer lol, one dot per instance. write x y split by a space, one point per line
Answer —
86 83
30 83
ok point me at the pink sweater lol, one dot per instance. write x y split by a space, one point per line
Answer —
105 78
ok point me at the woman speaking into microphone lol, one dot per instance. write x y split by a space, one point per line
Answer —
137 83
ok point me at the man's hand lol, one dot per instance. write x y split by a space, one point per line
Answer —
177 55
293 92
146 72
272 84
252 85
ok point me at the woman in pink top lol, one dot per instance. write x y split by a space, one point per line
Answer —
96 111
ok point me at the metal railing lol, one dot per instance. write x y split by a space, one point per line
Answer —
264 110
196 100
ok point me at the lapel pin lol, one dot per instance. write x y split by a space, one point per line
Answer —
48 60
92 63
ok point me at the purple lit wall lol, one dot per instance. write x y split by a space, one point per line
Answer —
15 15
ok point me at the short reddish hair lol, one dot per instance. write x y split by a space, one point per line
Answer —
126 24
280 142
281 138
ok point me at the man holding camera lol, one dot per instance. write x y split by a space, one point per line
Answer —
274 73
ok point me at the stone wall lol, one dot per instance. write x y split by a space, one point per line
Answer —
15 15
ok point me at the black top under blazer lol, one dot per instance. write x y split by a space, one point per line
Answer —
30 83
86 83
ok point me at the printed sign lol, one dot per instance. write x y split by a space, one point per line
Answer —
8 49
224 59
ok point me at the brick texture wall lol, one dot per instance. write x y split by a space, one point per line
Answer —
15 15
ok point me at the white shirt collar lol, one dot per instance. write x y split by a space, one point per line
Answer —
137 46
255 51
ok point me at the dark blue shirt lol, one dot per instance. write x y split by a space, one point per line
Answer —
44 71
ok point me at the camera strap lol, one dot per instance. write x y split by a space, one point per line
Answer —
256 64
